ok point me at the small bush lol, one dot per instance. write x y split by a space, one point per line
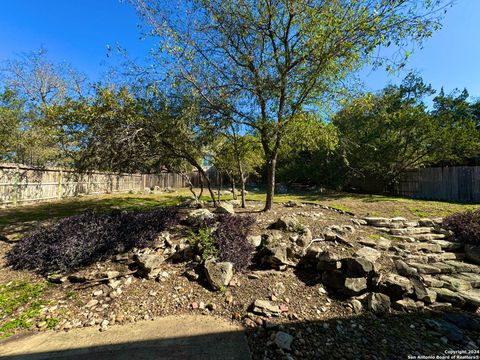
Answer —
81 240
231 240
203 243
465 226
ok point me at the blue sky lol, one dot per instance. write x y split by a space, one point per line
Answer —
79 31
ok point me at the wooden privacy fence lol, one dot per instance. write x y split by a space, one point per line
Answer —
22 184
456 183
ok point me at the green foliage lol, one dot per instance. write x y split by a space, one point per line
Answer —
456 124
203 243
36 87
386 134
10 121
309 153
260 64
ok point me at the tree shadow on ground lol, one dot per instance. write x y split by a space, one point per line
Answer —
23 219
364 336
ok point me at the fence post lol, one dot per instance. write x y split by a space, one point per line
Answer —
89 179
15 186
60 184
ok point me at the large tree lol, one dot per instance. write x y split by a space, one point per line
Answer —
383 135
41 86
10 125
261 62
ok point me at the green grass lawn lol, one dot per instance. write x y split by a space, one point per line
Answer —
358 204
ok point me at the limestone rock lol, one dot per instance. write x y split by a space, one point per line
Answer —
461 266
419 289
266 308
357 306
378 303
354 286
219 274
358 266
334 279
426 268
449 296
368 253
327 260
471 297
149 264
199 216
406 304
225 208
305 237
448 245
255 240
455 283
395 286
381 243
286 223
275 256
404 269
411 231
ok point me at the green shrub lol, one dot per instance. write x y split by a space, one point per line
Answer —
203 243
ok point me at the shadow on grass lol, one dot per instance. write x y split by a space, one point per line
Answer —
69 207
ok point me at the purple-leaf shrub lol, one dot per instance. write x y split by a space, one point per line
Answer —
81 240
231 240
465 226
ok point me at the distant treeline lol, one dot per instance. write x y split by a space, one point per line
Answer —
51 116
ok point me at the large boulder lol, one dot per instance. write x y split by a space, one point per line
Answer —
328 260
405 270
354 286
199 216
358 266
368 253
219 274
334 279
255 240
395 286
287 223
275 256
378 303
305 237
149 264
225 208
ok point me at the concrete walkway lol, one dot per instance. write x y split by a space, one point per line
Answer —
173 337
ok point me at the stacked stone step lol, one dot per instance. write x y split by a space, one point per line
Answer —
440 264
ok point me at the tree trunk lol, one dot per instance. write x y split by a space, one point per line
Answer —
243 180
243 191
190 186
209 185
234 193
219 179
201 187
271 167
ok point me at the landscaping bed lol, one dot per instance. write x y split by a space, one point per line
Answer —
282 296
